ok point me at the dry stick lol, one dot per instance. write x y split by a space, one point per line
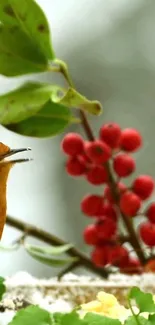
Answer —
89 133
69 268
53 240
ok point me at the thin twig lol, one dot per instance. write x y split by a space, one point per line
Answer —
68 269
127 221
53 240
123 239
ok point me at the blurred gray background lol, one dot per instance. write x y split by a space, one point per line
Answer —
110 48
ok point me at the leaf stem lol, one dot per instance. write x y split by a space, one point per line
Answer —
133 314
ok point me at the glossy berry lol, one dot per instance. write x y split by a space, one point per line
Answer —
108 195
96 175
110 133
100 256
75 166
147 233
150 212
109 211
72 144
91 205
133 266
98 151
106 228
130 140
124 165
143 186
130 203
119 256
90 235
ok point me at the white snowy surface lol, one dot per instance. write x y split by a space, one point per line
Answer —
6 317
24 279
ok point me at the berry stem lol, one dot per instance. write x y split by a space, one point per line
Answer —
84 121
89 133
127 221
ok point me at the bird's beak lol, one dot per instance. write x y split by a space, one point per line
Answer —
12 152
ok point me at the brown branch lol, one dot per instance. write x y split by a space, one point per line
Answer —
50 239
123 239
86 126
127 221
69 268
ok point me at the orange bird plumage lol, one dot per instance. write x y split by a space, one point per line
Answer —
5 167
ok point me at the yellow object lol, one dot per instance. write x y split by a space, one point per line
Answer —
94 305
107 305
107 299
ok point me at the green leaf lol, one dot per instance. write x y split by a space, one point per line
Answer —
51 120
32 315
24 102
56 318
72 98
151 320
18 54
139 320
143 300
9 248
95 319
30 18
51 250
2 287
47 259
72 319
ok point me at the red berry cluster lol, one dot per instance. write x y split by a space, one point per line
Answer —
90 159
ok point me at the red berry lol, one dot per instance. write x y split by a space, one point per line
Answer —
132 267
131 140
150 266
91 205
106 228
119 256
121 187
72 144
108 195
110 133
86 159
100 255
90 235
124 165
75 166
150 212
143 186
147 233
98 151
97 175
109 211
130 203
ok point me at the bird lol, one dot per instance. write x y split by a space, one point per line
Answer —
5 167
